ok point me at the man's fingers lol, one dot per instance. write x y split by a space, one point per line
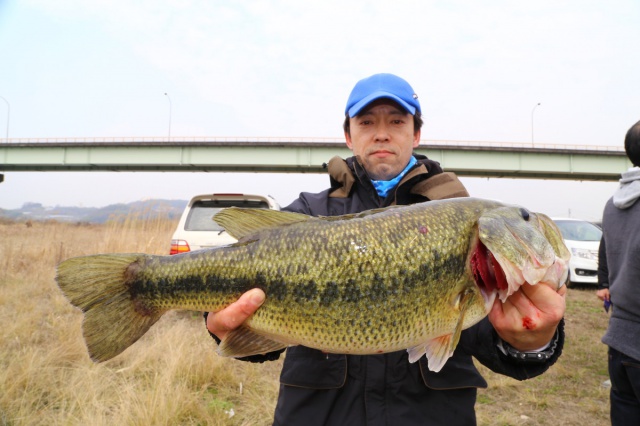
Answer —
234 315
545 298
562 291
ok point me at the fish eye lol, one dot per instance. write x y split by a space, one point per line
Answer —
524 213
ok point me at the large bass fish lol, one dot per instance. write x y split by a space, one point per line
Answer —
407 277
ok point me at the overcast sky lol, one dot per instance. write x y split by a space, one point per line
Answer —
72 68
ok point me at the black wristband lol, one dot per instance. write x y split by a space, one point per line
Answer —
533 357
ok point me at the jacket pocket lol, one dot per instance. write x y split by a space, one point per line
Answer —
310 368
457 373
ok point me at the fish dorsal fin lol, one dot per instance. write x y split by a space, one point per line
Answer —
241 222
360 215
440 349
243 342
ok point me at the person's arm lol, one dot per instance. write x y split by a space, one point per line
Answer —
603 273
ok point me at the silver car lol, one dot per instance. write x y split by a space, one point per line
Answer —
197 229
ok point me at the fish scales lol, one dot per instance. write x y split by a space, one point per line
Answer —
373 282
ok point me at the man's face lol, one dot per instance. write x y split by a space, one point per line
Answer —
382 135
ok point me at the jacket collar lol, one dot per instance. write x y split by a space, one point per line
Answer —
343 174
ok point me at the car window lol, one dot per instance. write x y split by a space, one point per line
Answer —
577 230
201 214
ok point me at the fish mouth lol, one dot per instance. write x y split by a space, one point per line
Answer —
488 274
492 280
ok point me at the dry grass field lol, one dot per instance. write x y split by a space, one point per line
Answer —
172 376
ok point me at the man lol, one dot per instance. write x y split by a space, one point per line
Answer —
619 280
382 127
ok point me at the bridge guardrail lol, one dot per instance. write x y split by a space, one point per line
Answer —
304 140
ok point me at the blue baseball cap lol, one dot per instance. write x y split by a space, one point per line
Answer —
379 86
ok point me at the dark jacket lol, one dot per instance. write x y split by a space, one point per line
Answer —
328 389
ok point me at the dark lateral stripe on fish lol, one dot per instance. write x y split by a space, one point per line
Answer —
280 289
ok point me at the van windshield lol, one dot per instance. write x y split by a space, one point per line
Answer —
201 214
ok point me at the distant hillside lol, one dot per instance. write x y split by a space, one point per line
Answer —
149 208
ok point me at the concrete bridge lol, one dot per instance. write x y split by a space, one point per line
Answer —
302 155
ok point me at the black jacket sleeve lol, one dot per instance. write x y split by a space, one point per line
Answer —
603 269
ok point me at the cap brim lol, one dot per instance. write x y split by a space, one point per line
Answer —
355 109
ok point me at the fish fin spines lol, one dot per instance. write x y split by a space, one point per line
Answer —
98 285
242 222
243 342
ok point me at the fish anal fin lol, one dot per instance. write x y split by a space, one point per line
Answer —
243 342
241 222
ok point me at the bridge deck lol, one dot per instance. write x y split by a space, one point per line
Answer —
302 155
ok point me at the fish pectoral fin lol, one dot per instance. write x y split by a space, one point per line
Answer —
440 349
416 352
243 342
241 222
437 350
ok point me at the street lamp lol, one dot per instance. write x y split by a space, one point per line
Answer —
8 112
167 95
532 111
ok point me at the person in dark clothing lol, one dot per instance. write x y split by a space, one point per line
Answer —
382 127
619 283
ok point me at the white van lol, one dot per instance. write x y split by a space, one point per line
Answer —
197 229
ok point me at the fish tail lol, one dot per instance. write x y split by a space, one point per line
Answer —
99 285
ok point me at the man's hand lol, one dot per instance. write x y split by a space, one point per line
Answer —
603 294
231 317
528 319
